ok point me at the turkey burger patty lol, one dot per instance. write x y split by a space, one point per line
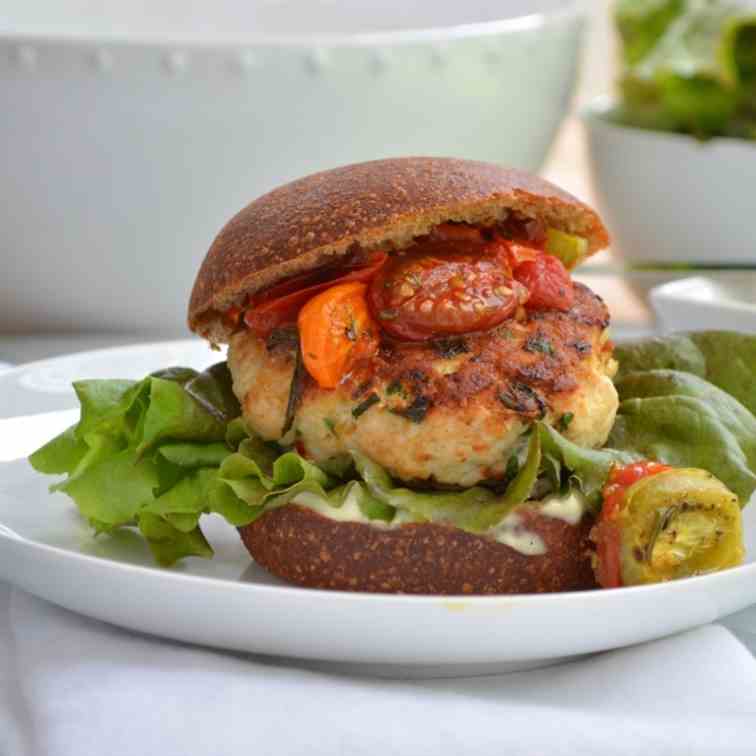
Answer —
448 411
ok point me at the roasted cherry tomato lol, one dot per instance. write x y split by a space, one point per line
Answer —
336 330
548 282
519 254
435 289
607 533
281 304
621 478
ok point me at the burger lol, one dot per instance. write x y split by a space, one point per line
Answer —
417 398
420 313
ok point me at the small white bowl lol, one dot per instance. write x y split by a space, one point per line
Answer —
132 131
669 198
702 303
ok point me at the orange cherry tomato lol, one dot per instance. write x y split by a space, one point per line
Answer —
335 331
606 534
280 304
548 282
451 283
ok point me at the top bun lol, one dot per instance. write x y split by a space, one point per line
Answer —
317 219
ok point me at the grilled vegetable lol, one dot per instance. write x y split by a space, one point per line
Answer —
669 523
570 249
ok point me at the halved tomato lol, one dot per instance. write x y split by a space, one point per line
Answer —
548 282
436 289
336 330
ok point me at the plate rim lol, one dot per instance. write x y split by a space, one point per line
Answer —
595 594
688 291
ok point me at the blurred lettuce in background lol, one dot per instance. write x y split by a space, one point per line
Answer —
688 66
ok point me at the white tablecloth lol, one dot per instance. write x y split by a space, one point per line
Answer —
70 686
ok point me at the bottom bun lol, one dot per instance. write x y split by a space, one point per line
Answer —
303 547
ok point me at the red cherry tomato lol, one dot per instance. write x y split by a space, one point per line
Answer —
608 548
548 282
281 304
436 289
606 534
519 254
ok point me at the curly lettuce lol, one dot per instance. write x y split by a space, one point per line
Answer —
160 453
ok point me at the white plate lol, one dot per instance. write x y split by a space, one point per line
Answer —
725 302
230 603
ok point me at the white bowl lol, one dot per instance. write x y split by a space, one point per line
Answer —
724 302
131 134
669 198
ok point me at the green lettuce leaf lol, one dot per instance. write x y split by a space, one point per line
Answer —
677 352
114 489
730 360
180 375
687 400
168 544
739 53
182 505
174 414
160 453
105 406
739 420
195 455
689 66
588 469
475 509
147 454
61 455
236 432
262 480
100 448
371 506
724 358
642 23
213 390
683 420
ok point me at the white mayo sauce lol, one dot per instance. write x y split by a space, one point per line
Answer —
510 531
569 508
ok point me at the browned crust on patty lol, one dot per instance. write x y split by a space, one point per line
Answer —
303 547
321 217
541 351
